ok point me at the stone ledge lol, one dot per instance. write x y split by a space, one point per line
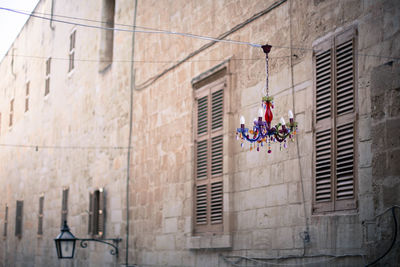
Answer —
209 242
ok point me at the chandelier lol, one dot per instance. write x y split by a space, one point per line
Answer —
262 131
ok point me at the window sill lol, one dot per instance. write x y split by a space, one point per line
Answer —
209 242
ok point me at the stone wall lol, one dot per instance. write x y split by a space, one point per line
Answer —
267 197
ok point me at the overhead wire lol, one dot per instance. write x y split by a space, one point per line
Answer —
202 37
140 61
267 261
37 147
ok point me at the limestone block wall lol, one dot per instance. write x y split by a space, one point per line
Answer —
82 129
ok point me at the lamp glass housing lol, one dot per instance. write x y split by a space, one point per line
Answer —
65 243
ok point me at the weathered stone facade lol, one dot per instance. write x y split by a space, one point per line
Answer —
77 136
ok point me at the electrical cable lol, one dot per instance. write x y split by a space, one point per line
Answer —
239 26
155 30
195 36
306 233
263 261
37 147
139 61
128 159
393 239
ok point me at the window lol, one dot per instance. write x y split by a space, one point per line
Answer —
209 157
72 51
5 222
64 205
335 127
40 216
18 218
96 213
107 36
27 97
48 69
11 112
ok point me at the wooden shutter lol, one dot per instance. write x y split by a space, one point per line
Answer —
11 112
5 222
345 77
18 218
101 211
345 163
27 97
323 150
48 70
323 85
345 125
72 39
40 216
91 209
64 205
334 165
209 158
95 212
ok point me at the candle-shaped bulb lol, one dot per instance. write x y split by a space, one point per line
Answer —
290 114
282 121
260 112
242 120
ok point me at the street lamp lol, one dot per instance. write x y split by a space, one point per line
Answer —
65 243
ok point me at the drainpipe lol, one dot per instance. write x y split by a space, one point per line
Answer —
128 169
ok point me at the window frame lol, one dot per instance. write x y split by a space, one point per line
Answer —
205 85
334 122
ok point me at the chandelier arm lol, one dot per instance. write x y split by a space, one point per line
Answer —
254 139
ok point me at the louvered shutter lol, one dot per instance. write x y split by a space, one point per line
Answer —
90 219
345 122
323 130
5 222
40 216
209 158
101 211
18 219
95 212
64 205
334 166
323 85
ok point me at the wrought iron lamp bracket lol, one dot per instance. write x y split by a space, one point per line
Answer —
113 244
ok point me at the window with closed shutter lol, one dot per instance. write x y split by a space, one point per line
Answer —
40 216
208 206
11 112
5 222
107 37
64 205
27 96
72 40
48 70
96 222
18 218
335 127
